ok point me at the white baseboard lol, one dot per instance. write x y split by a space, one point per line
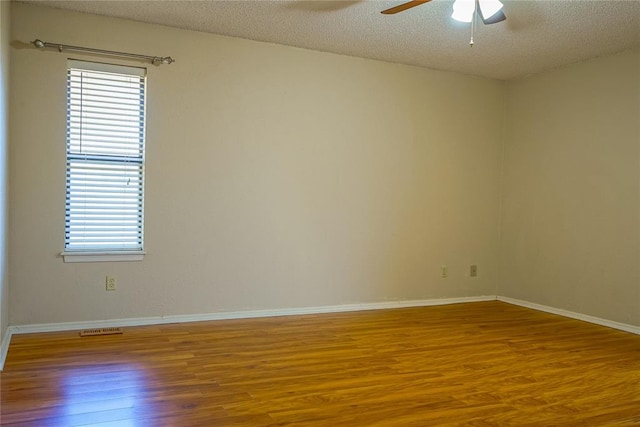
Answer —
142 321
566 313
4 346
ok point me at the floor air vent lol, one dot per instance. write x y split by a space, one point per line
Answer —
100 331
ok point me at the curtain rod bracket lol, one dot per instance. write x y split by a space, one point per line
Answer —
162 60
155 60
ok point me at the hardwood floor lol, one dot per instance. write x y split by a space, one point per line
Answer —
477 364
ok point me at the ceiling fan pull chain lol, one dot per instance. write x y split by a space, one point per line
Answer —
473 23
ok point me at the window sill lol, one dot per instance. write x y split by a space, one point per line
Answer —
103 256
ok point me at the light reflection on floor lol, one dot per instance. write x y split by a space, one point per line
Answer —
109 395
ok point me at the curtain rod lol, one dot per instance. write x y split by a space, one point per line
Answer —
155 60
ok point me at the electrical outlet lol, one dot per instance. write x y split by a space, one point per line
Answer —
444 271
473 270
111 283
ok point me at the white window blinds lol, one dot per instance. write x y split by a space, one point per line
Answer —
105 158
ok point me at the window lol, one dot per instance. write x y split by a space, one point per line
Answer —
104 209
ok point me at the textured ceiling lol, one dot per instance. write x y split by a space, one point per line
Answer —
537 35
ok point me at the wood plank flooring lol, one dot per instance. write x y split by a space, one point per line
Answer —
477 364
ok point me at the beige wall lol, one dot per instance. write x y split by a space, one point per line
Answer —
571 205
4 134
276 177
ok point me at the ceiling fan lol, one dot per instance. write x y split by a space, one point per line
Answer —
490 11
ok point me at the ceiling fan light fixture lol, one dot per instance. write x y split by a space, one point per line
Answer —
488 8
463 10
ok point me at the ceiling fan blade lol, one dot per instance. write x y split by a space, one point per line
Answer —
404 6
497 17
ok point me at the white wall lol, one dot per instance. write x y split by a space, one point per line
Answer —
571 217
276 177
4 134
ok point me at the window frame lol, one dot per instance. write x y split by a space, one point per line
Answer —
105 254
